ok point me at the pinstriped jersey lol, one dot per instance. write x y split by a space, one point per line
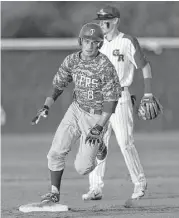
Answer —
125 53
95 80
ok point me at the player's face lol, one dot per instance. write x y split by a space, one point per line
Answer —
107 25
89 47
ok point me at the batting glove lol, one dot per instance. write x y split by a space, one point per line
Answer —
94 136
43 112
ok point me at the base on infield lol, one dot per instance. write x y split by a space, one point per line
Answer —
43 206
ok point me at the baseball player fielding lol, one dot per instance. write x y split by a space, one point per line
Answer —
125 53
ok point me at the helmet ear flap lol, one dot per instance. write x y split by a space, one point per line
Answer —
100 44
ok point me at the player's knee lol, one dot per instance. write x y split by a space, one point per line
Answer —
84 171
56 161
84 168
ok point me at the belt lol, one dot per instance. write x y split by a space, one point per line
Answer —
124 88
90 110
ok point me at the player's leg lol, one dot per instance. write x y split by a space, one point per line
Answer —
86 157
65 136
122 124
96 182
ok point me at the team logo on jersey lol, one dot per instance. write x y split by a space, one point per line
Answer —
92 31
117 53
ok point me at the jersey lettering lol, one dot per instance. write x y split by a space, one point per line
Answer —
84 81
95 81
116 53
88 82
90 95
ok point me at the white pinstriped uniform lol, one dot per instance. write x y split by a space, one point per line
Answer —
125 54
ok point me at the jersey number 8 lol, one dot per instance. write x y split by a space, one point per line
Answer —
90 95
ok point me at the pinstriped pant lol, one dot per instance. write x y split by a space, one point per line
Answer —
122 124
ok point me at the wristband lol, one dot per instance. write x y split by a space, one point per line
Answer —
56 93
98 127
46 107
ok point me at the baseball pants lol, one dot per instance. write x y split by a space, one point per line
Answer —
75 125
122 124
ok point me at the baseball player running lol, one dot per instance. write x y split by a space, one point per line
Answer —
125 53
96 93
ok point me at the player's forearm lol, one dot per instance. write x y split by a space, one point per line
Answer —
104 119
54 94
147 79
147 85
49 102
108 109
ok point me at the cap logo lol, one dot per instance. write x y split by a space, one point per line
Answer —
92 31
102 12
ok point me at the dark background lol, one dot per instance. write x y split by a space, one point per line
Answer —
64 18
26 76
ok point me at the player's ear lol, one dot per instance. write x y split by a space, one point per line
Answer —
117 21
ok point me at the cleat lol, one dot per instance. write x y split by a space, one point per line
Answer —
49 203
51 197
102 152
92 195
139 190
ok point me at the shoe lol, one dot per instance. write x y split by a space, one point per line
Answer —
139 190
51 197
93 195
102 152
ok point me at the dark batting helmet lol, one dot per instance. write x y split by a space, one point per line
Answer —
91 31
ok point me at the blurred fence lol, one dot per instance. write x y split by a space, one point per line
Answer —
28 67
152 44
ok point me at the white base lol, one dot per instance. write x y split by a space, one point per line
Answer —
43 206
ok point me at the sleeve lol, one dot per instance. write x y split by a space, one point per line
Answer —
63 76
111 88
135 54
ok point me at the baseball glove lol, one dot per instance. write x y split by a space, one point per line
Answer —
43 112
149 108
95 135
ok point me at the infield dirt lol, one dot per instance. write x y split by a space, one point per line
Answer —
25 177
